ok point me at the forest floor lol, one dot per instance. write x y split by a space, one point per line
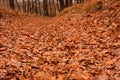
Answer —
67 47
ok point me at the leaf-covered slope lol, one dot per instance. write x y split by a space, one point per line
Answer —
90 6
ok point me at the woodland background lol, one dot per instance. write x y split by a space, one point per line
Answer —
40 7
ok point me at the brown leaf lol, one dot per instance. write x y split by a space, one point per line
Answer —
3 49
26 46
60 77
22 78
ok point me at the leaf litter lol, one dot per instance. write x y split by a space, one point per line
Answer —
69 47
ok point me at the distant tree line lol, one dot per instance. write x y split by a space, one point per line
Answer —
40 7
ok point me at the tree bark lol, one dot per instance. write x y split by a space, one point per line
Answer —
66 3
17 4
24 5
39 7
45 7
11 4
36 7
62 6
28 6
70 3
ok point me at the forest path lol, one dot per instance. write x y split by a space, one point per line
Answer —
72 46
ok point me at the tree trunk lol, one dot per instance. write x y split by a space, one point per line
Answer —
53 8
11 4
28 6
79 1
24 6
45 7
39 7
66 3
32 7
70 3
62 6
36 7
57 5
17 4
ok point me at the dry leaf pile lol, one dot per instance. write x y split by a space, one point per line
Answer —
70 47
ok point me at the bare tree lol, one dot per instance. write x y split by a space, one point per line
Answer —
11 4
79 1
68 3
17 4
53 8
24 5
28 6
45 7
39 7
62 6
36 7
